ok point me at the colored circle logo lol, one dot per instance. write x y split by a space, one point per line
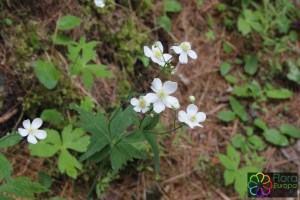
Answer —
260 185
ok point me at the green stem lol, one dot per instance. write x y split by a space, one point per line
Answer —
170 131
96 179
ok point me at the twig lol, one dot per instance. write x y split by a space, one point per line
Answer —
8 115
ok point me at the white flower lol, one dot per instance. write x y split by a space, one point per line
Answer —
157 54
99 3
184 49
31 130
161 98
140 104
192 117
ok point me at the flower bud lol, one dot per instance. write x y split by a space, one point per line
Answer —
156 44
176 106
151 115
191 98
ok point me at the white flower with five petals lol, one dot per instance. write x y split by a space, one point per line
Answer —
31 130
161 98
99 3
192 117
140 104
156 54
184 49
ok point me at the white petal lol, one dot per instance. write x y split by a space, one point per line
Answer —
23 132
170 101
158 45
151 97
191 124
31 139
170 87
40 134
167 57
192 54
158 107
161 63
192 109
182 116
26 124
99 3
37 123
137 109
183 58
148 52
201 116
177 49
156 85
134 101
145 109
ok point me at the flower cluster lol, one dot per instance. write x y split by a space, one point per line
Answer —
161 95
99 3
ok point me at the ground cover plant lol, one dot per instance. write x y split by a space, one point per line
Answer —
146 99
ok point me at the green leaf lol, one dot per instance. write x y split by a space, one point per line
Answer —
172 6
62 40
255 142
260 124
68 163
241 91
294 72
240 184
74 139
151 139
87 79
165 22
250 64
226 162
46 73
120 121
229 176
52 116
87 103
100 71
238 109
5 168
96 145
9 140
279 94
45 179
230 79
225 68
22 187
68 22
290 130
243 26
275 137
226 116
2 197
233 155
47 147
238 141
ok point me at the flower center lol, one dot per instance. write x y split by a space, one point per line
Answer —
193 118
185 47
30 130
162 94
157 54
142 103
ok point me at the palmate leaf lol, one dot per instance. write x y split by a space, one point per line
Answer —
121 120
22 187
96 125
70 139
121 153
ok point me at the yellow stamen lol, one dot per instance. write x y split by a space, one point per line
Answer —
185 47
157 54
162 94
193 118
142 103
30 130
